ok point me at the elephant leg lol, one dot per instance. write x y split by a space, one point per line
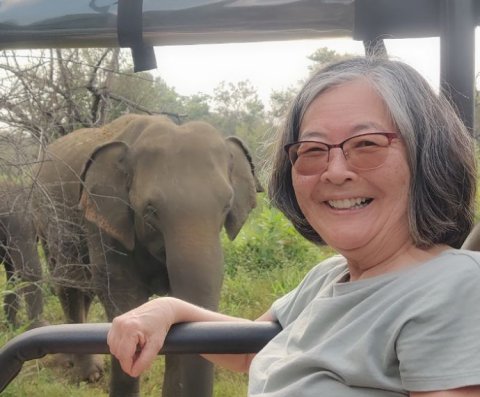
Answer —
117 301
70 270
34 299
121 384
24 259
11 301
178 379
119 290
75 304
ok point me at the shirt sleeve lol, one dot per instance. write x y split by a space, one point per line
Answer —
287 308
439 345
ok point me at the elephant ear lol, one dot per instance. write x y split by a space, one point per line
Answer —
104 192
245 184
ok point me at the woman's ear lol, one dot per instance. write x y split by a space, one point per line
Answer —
245 184
104 192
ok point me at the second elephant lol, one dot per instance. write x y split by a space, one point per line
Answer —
19 254
135 209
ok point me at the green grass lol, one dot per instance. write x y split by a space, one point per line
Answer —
266 260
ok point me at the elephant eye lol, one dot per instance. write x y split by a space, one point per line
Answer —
150 210
149 216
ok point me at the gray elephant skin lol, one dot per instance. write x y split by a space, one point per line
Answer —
19 254
135 209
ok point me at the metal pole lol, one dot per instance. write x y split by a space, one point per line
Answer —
186 338
457 56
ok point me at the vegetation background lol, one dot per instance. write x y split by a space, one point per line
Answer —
265 261
50 93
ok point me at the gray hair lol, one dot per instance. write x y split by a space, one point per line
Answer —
440 150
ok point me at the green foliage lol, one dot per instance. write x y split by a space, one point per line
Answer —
196 107
266 260
324 56
144 92
280 100
268 241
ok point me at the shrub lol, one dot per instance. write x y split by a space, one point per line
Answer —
268 241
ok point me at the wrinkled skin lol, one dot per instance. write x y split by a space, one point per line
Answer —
18 252
136 209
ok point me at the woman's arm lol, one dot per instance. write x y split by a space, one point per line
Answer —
237 362
470 391
137 336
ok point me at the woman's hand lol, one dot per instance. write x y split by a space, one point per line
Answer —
137 336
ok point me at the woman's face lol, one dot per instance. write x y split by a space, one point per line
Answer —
348 208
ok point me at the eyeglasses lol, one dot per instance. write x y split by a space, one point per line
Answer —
363 152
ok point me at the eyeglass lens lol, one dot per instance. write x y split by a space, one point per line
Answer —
363 152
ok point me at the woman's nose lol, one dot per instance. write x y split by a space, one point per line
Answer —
338 170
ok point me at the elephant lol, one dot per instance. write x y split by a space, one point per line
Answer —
19 254
134 209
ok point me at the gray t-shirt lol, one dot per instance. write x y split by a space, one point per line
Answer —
417 329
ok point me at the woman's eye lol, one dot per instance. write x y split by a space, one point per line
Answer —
311 149
365 143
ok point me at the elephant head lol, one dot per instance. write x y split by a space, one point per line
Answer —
163 186
125 183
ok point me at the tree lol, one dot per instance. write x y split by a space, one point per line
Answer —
144 93
280 100
196 107
324 56
237 110
50 93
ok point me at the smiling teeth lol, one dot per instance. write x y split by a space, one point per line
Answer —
348 203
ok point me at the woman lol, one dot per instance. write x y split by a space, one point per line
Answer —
373 163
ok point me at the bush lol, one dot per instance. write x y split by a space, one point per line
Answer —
268 241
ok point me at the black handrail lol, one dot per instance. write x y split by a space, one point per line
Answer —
187 338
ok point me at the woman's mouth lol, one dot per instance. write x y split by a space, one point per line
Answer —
346 204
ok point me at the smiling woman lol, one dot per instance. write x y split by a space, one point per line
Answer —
381 168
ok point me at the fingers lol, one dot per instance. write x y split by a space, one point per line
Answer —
135 338
134 356
144 359
123 345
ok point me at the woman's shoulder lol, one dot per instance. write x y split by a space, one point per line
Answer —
465 256
454 263
453 275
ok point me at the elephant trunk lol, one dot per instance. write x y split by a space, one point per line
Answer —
195 271
195 266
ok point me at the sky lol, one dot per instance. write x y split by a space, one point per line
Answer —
278 65
274 65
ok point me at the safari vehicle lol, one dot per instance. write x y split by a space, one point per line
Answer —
142 25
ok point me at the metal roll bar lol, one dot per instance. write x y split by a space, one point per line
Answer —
187 338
